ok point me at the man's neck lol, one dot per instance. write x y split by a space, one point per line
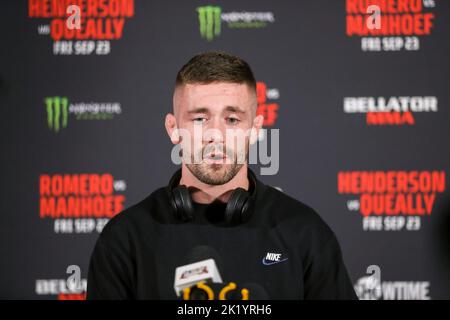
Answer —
206 193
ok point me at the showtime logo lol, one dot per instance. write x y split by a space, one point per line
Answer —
389 25
82 27
392 200
369 288
397 111
58 110
80 203
210 20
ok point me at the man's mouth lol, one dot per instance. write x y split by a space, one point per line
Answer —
215 158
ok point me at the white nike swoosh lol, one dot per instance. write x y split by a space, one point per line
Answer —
268 263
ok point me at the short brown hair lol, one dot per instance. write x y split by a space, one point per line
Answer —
216 66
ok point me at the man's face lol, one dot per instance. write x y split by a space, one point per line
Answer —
214 122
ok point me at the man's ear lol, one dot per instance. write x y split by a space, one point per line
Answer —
172 128
257 125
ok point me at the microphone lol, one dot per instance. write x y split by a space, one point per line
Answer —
199 279
201 266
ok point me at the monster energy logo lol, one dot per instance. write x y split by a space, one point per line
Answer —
57 112
210 20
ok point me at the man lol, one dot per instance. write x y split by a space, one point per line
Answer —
263 236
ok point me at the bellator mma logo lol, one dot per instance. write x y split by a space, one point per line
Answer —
392 200
390 111
80 203
389 25
82 27
72 288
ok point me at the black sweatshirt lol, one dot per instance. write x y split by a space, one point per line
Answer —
138 251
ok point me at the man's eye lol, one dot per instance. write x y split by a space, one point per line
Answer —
199 120
233 120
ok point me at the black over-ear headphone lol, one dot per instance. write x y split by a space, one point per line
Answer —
238 209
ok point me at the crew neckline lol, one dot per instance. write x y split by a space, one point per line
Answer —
199 204
211 213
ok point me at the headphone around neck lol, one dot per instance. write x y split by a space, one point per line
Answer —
238 209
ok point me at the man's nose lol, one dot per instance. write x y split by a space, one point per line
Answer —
214 132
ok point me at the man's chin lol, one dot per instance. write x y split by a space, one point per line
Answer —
214 173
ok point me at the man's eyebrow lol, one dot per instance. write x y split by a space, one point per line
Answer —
199 110
206 110
234 109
